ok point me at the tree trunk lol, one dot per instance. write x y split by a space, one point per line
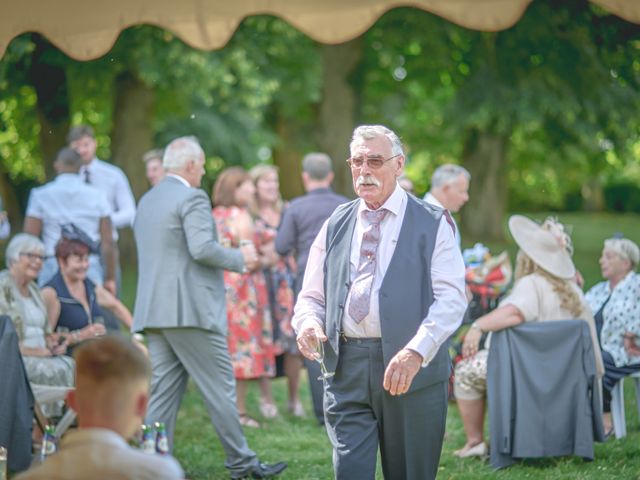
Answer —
485 156
10 201
50 84
131 137
592 195
337 116
287 155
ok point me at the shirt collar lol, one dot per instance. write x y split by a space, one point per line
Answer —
68 177
429 198
84 436
90 166
628 278
178 177
393 203
319 190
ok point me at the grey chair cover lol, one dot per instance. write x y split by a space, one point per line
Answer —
543 393
16 400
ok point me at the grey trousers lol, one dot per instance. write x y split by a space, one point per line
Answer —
176 354
361 415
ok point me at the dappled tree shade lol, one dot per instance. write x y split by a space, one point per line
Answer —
543 114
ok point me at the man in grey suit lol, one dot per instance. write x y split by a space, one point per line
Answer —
383 290
180 303
301 222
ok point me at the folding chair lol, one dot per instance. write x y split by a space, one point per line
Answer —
617 405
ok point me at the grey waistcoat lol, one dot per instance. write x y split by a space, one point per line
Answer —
405 293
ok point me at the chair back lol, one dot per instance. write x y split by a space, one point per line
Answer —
16 400
543 392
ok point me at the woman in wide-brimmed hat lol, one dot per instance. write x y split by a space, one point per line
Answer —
544 289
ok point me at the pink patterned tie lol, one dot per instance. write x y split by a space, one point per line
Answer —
361 287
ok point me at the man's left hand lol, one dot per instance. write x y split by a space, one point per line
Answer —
401 370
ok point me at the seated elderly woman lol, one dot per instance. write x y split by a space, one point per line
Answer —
20 299
74 302
616 302
544 289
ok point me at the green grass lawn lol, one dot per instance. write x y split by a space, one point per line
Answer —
305 446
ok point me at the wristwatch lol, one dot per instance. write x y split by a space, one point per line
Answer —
476 326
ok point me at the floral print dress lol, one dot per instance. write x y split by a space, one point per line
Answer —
250 336
280 280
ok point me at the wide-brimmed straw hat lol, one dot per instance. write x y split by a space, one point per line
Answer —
547 245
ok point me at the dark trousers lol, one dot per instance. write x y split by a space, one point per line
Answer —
362 417
613 375
316 389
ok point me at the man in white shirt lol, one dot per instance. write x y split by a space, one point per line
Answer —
105 176
382 292
449 190
67 199
112 390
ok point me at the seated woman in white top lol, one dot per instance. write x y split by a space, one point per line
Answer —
544 289
20 299
616 303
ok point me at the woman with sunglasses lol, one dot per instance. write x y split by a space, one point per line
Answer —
20 299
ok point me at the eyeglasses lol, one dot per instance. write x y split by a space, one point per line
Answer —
33 256
374 161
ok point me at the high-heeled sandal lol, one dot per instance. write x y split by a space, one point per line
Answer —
268 410
247 421
296 409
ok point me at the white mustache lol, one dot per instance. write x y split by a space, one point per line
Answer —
367 180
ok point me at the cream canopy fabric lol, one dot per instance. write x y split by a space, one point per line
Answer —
87 29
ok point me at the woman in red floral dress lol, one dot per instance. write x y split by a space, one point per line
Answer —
250 334
280 274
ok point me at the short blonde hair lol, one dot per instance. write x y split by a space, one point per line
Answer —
256 173
625 248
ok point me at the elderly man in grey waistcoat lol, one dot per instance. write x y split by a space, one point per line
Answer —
383 290
181 305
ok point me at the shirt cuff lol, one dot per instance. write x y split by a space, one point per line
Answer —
309 322
424 345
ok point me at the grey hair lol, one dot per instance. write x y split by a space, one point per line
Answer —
448 173
180 151
625 248
368 132
317 165
22 243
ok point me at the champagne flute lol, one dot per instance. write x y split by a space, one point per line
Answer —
325 374
63 334
98 320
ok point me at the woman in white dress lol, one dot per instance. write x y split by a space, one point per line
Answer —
20 299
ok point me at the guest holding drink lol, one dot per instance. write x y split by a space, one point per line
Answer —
73 301
20 299
267 209
250 335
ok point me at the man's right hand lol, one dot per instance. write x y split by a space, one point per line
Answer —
308 339
250 256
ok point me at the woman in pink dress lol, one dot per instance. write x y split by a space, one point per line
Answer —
250 334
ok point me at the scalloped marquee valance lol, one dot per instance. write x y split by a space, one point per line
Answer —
86 29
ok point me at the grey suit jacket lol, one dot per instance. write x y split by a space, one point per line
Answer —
543 392
180 262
